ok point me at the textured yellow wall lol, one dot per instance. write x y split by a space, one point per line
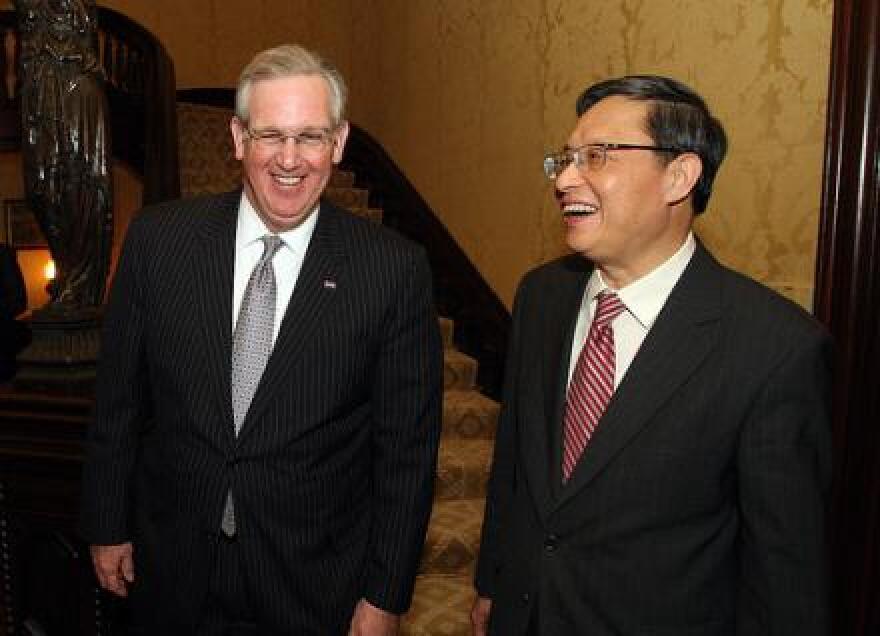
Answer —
210 41
467 95
476 90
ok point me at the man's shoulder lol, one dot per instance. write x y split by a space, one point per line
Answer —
367 236
567 269
753 304
181 212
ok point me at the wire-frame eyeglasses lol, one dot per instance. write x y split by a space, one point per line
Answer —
593 156
315 140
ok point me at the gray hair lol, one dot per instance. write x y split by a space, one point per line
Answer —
290 60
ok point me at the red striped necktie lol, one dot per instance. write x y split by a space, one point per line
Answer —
592 383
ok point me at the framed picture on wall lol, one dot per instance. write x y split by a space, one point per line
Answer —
22 230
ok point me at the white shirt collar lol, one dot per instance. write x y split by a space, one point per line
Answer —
251 228
645 297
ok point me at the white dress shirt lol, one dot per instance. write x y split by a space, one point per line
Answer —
643 298
287 261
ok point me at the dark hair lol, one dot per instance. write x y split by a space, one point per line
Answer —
678 118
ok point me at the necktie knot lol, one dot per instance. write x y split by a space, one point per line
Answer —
271 244
608 307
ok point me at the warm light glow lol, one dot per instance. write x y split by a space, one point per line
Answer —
49 270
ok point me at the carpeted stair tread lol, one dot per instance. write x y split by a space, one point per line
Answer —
441 607
341 179
446 332
462 469
459 370
207 162
469 415
453 537
348 197
373 214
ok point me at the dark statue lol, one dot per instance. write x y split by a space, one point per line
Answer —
66 146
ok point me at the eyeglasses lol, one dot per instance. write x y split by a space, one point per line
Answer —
593 156
312 140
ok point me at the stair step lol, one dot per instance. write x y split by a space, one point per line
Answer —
459 370
462 469
348 197
446 331
441 607
453 537
469 415
207 163
341 179
373 214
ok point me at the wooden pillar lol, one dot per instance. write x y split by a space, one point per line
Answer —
848 302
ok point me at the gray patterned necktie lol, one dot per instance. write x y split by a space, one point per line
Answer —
252 340
252 345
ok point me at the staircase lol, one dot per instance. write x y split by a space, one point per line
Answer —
444 587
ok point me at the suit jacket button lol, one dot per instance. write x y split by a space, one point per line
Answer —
551 542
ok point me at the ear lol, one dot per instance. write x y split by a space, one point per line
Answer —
341 135
237 127
682 174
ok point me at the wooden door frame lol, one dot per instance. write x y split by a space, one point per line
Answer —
847 294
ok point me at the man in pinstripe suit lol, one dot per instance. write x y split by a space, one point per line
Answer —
331 470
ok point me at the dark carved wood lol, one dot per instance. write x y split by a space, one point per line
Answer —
141 91
142 103
10 110
848 302
67 176
482 322
46 581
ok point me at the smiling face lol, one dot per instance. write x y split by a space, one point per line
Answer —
284 183
632 215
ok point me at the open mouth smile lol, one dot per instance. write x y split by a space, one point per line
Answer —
579 209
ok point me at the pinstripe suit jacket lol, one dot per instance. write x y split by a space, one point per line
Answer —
333 469
697 509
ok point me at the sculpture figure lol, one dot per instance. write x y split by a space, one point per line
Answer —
66 146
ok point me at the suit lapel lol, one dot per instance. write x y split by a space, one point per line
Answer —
314 292
560 304
214 265
559 333
681 338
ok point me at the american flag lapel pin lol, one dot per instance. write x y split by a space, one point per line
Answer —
329 284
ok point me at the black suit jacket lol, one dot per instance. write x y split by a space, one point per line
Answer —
698 507
332 471
13 296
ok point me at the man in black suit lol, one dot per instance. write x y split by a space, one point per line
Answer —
663 452
13 301
269 392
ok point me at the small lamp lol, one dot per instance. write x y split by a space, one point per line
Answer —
49 273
